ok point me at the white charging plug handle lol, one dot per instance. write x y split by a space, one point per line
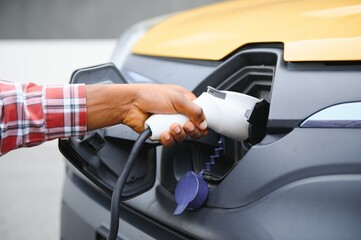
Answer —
226 116
160 123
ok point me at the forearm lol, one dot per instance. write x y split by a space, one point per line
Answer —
107 104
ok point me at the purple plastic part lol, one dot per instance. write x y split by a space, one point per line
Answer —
191 192
208 166
213 160
220 143
217 151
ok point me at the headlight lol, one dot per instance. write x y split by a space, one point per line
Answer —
130 37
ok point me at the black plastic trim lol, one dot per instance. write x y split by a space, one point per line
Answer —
144 223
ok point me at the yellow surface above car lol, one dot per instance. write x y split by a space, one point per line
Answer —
311 30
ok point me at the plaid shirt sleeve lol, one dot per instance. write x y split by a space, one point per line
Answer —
31 114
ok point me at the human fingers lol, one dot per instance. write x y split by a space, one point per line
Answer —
192 131
175 134
178 134
169 138
190 109
166 139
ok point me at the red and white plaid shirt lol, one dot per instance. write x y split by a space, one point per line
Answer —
31 114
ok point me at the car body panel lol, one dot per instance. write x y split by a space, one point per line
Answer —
321 30
297 183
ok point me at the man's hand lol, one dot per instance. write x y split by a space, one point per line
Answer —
132 104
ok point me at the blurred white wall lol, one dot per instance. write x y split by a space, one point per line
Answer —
50 61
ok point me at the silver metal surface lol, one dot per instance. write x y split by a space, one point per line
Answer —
345 115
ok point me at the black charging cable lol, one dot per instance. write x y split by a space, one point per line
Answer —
119 185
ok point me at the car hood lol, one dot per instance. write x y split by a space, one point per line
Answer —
313 30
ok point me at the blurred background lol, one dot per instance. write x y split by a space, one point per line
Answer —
44 41
51 19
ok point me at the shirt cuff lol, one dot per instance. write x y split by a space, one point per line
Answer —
64 108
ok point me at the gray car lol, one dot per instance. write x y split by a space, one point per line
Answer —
300 179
